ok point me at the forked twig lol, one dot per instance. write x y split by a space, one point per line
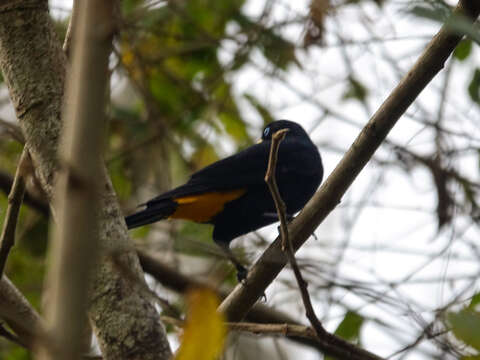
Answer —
287 246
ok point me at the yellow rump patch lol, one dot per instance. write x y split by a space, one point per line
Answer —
203 207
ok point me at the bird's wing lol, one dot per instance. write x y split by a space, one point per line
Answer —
238 171
244 169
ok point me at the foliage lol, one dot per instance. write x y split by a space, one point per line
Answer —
465 324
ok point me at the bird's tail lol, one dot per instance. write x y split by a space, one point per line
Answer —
152 213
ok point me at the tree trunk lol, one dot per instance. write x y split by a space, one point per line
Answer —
33 66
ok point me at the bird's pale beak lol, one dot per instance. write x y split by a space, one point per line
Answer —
259 141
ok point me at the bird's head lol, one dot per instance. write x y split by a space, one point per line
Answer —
294 129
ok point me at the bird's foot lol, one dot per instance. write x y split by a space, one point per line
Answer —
242 273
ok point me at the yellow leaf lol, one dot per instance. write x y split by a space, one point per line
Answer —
205 331
128 57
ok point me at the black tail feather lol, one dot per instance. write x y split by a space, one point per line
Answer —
150 214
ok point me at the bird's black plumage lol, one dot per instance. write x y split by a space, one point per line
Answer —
232 194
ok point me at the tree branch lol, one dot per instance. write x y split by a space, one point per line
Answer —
237 304
125 322
260 313
19 314
271 181
15 198
284 330
75 247
6 182
71 25
13 130
9 336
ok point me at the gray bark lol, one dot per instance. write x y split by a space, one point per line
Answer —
33 65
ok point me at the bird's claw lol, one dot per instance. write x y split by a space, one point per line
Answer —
242 273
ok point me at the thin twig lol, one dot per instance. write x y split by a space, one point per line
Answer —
12 129
15 198
31 198
271 181
286 243
9 336
71 26
287 330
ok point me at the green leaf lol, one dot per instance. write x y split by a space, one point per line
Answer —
474 301
466 327
463 49
462 25
121 183
140 232
13 352
229 115
130 5
349 328
262 110
279 51
434 11
204 155
276 49
356 90
194 239
474 86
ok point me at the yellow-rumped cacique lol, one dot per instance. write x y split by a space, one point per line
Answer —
232 195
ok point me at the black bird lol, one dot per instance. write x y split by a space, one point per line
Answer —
231 194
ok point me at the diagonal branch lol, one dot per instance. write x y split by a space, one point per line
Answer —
20 316
9 336
370 138
15 198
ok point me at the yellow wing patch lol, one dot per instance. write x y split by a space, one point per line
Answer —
203 207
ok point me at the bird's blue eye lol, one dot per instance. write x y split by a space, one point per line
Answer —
266 132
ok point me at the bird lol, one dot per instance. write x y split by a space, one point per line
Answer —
232 195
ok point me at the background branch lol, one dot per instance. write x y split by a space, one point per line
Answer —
6 182
15 198
18 313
